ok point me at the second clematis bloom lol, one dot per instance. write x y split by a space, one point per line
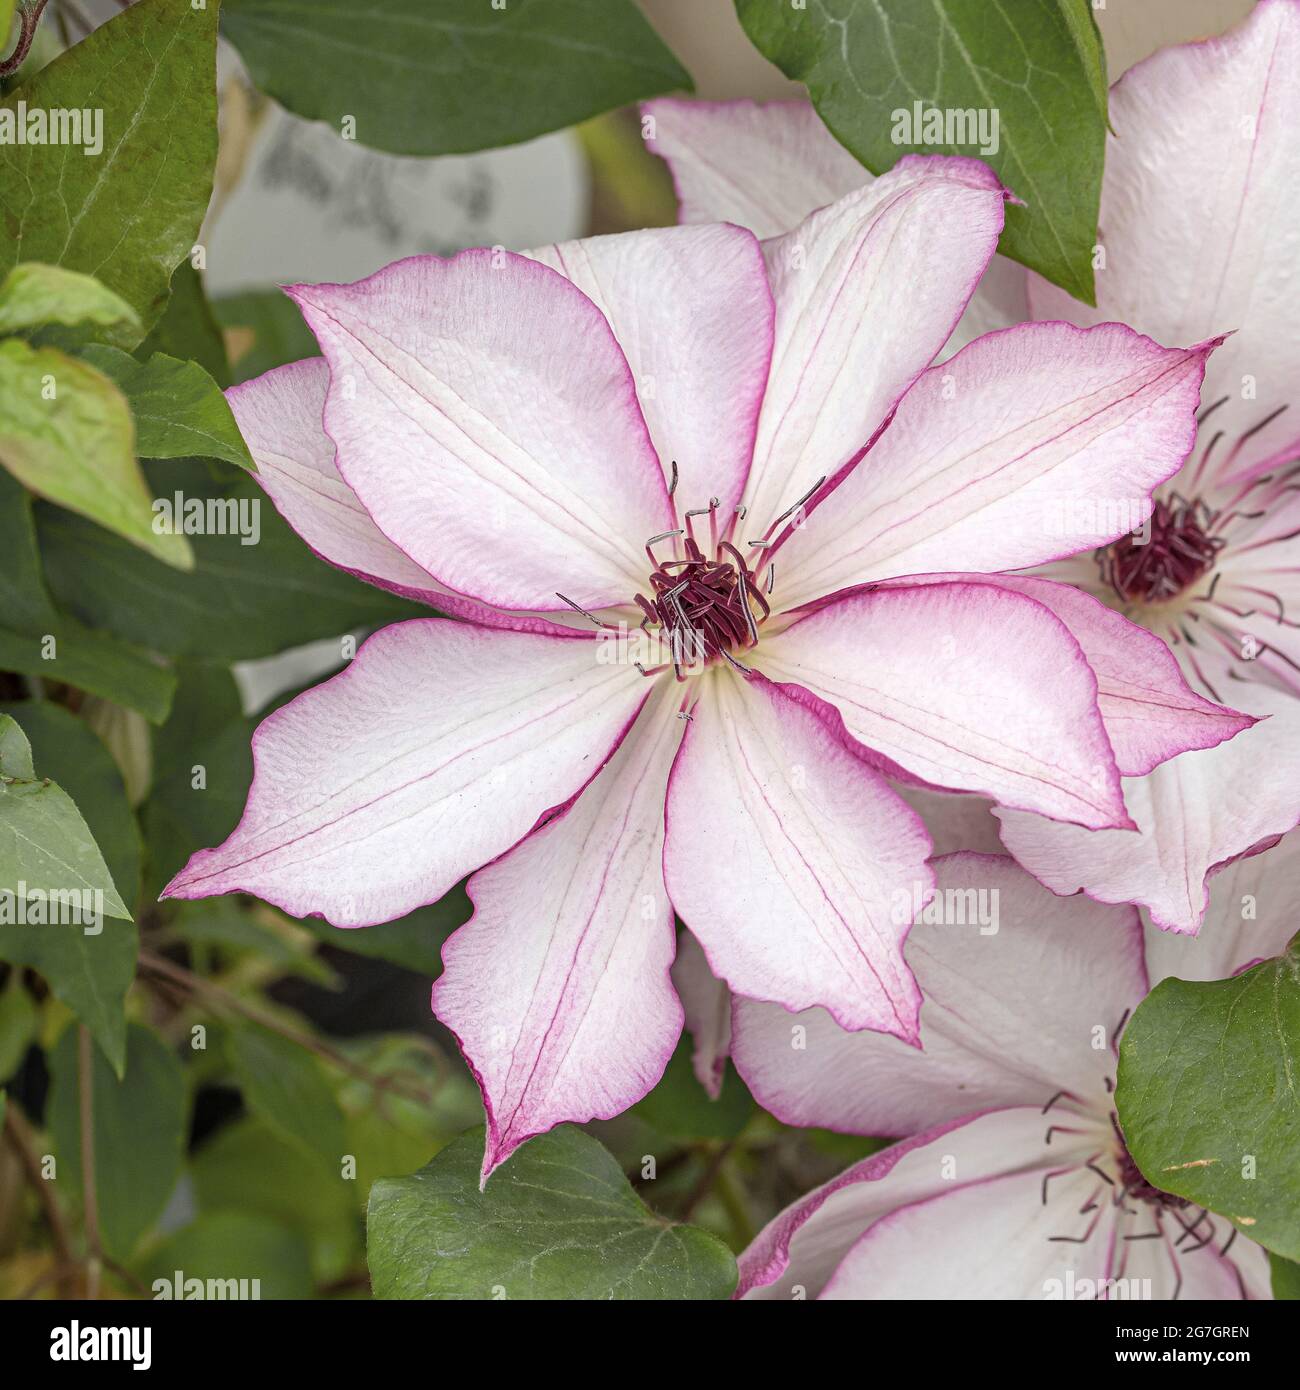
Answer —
1015 1181
621 465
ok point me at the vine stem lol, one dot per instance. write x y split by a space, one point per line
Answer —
199 987
24 1142
29 16
89 1191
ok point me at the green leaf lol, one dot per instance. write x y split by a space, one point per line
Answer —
66 435
265 330
139 1132
680 1107
46 848
226 1246
19 1021
247 1167
284 1085
1208 1100
1081 18
37 640
203 765
868 62
90 974
188 328
129 214
241 601
558 1220
33 295
414 942
91 661
461 75
179 411
1286 1278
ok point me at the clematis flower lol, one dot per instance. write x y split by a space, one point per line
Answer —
1198 223
1015 1182
600 458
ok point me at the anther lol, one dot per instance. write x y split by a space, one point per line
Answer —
578 608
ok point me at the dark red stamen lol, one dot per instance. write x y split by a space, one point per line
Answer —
1178 549
702 606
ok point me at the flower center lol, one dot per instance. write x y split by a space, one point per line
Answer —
1109 1186
704 605
1175 548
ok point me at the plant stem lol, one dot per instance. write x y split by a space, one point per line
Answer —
89 1194
198 986
29 16
24 1142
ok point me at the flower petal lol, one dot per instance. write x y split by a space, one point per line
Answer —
1150 712
1016 984
786 857
692 311
996 1239
965 686
557 988
279 415
867 291
767 165
486 418
802 1247
764 166
440 746
1194 814
1250 918
1030 444
707 1002
1201 224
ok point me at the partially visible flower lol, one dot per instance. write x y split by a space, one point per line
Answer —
1200 226
640 443
1015 1182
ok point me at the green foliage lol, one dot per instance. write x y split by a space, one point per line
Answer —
1207 1096
241 601
420 79
557 1220
1286 1278
129 214
89 973
1038 64
66 434
283 1084
680 1107
139 1132
46 848
231 1245
34 295
178 409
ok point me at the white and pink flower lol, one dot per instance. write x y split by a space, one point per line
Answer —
688 433
1015 1182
